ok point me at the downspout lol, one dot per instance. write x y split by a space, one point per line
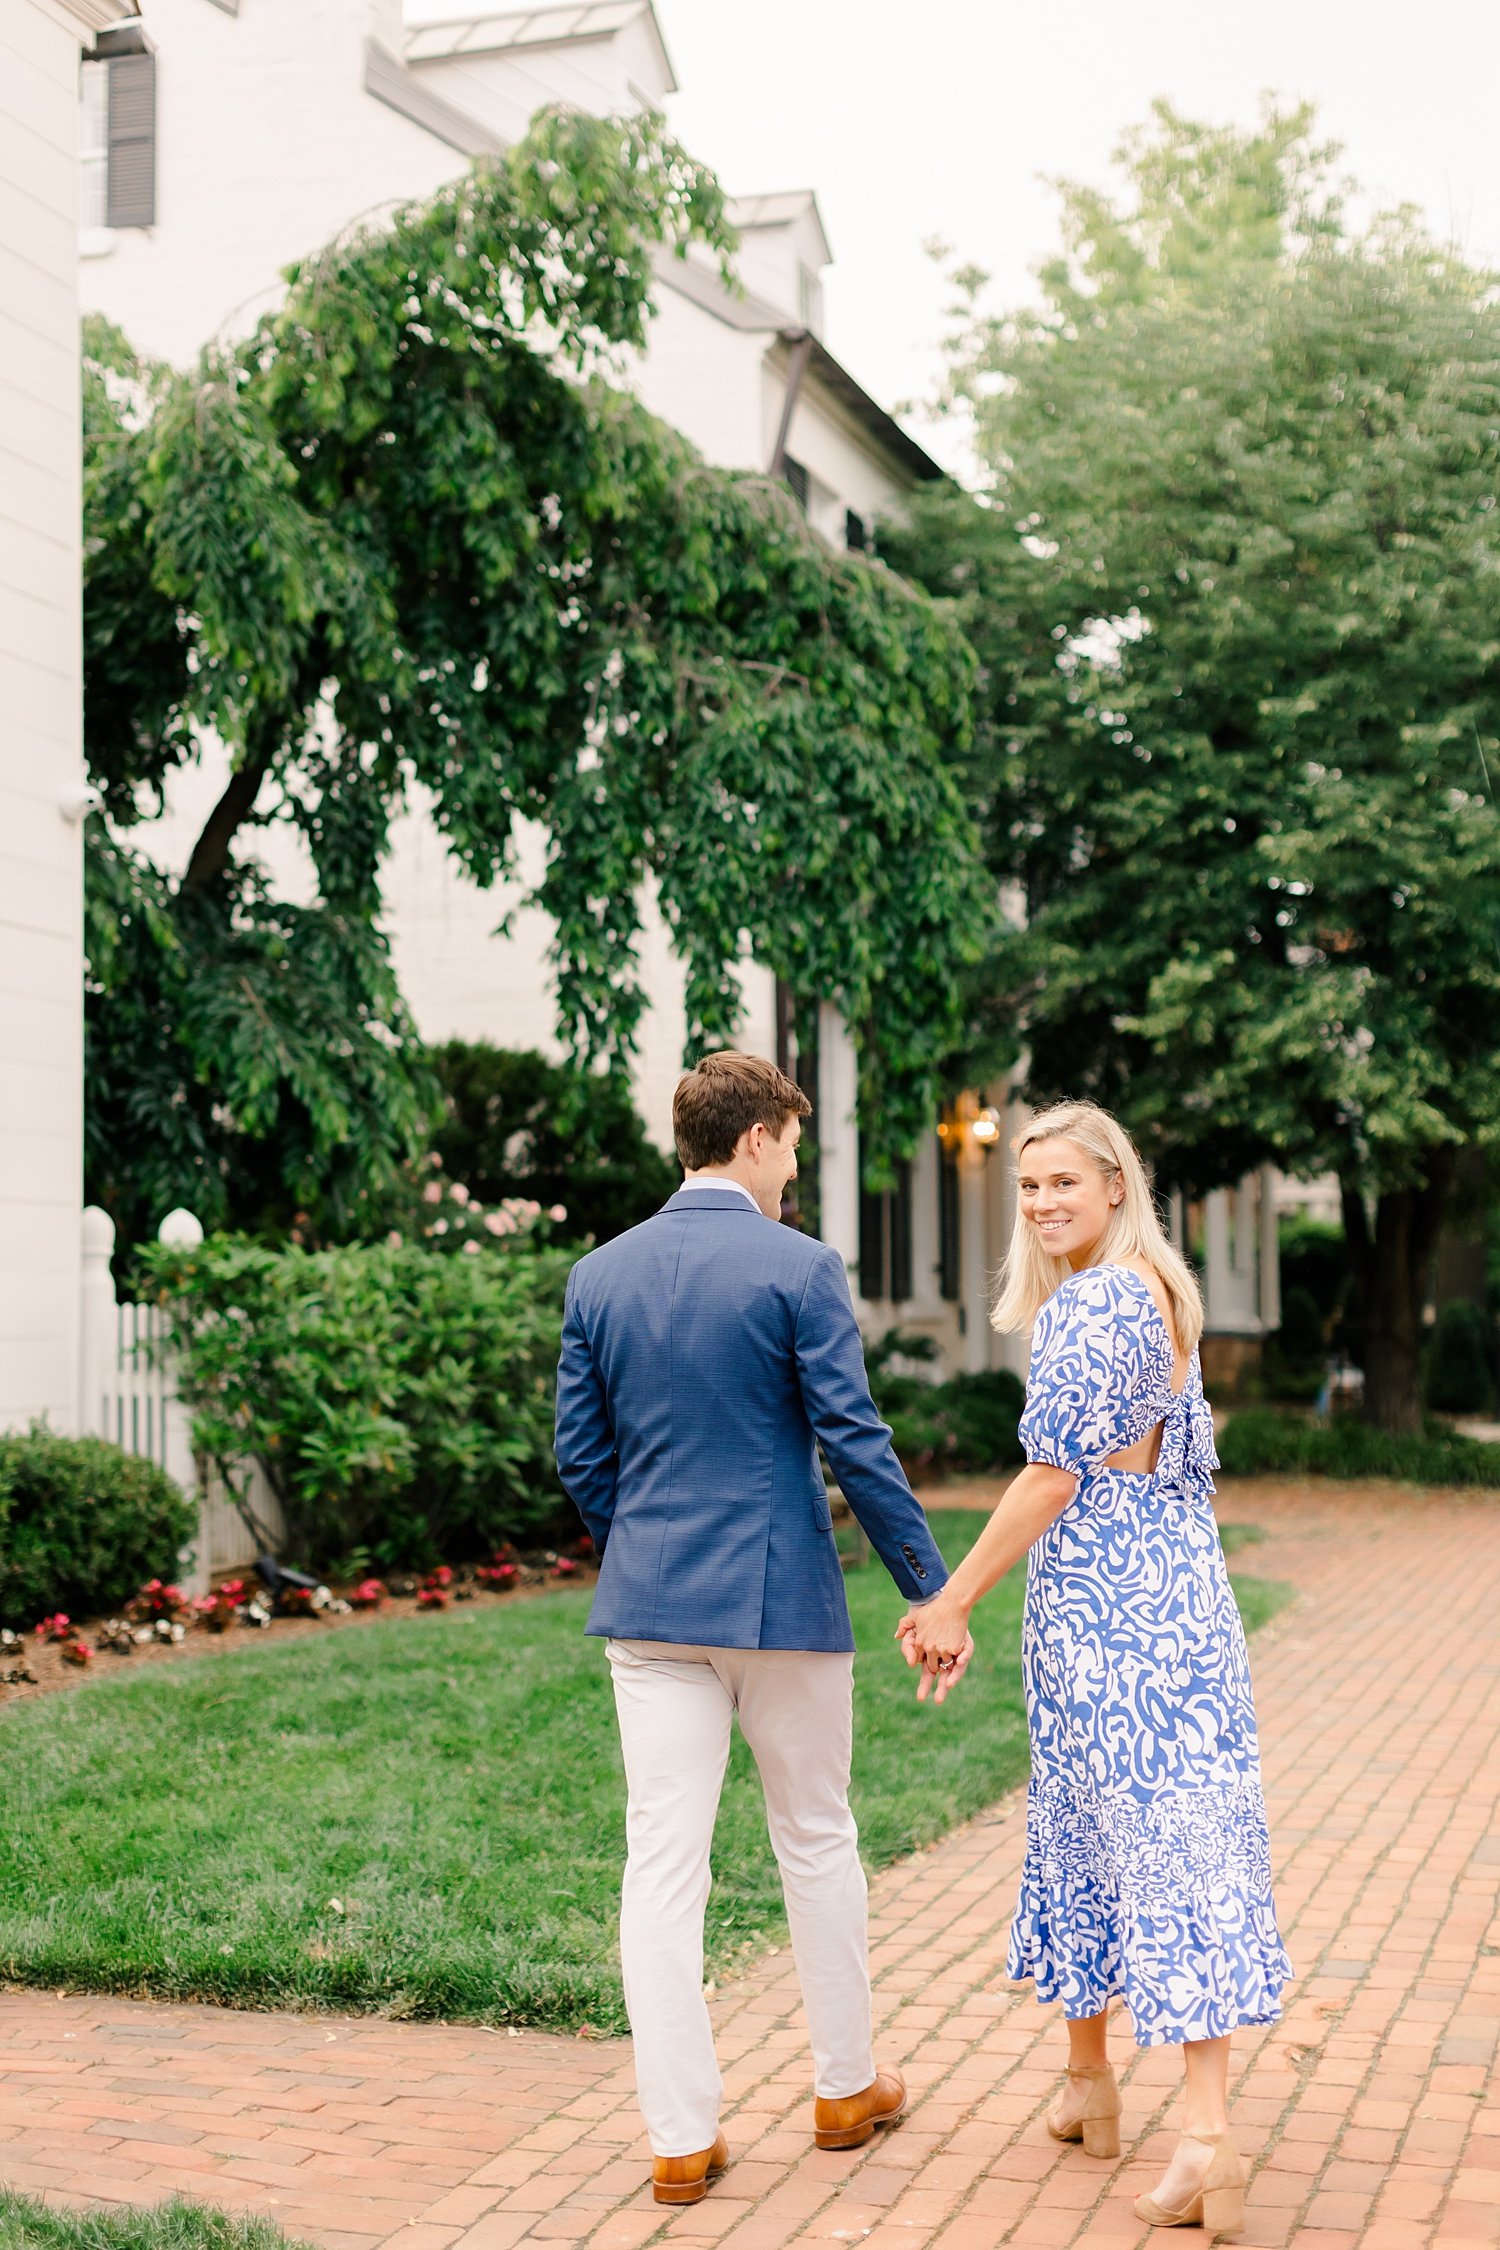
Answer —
801 342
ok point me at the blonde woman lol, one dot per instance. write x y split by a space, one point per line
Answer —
1147 1871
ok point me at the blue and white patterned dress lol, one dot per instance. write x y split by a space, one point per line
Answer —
1148 1869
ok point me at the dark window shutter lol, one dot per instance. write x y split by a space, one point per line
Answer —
797 1056
808 1187
856 533
885 1250
131 190
948 1267
797 480
871 1235
899 1202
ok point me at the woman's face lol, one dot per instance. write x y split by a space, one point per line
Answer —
1066 1197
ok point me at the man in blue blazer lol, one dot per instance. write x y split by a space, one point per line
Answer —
705 1355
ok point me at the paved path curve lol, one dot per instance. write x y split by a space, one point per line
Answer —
1373 2107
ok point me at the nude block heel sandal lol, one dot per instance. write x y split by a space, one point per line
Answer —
1099 2126
1218 2206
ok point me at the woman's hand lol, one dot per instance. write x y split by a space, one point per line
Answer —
950 1670
937 1637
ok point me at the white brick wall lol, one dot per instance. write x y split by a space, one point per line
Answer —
41 870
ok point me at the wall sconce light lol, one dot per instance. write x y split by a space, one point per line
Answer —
968 1122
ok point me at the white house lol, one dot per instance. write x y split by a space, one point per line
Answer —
267 128
42 796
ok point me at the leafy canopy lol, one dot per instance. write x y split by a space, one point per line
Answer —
1233 586
407 544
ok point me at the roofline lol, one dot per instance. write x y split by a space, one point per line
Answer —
414 31
756 316
85 16
857 403
391 82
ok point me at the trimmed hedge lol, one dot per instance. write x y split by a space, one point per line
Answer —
81 1525
1261 1443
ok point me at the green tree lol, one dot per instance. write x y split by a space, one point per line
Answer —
1232 584
408 539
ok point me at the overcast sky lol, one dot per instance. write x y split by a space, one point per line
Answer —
921 118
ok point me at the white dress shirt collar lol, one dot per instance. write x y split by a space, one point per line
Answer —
725 1187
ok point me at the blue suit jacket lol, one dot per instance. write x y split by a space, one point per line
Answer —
702 1352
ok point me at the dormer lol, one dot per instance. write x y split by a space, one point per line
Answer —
783 251
501 65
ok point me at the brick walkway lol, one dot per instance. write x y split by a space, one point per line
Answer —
1372 2108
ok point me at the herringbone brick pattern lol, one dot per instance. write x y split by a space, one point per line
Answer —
1372 2109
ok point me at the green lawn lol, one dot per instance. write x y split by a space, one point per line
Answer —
28 2225
426 1817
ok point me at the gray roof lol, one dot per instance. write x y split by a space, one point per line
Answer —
487 31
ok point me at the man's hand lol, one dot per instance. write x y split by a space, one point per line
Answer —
941 1671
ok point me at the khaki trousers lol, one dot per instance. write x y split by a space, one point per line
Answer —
795 1708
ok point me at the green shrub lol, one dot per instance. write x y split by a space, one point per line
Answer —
1262 1443
399 1399
966 1425
81 1525
518 1125
1459 1360
1296 1356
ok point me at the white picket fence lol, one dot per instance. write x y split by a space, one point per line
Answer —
127 1394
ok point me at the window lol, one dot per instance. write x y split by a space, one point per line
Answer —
117 141
798 480
885 1254
93 145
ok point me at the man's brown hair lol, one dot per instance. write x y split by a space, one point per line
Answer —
723 1098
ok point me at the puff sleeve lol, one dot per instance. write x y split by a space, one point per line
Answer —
1088 1393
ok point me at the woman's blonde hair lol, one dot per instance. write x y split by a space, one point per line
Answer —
1030 1272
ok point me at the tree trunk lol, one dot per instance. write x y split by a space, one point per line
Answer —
210 855
1392 1268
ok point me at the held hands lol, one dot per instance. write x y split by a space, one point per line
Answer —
937 1638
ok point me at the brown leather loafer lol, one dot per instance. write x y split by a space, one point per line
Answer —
850 2122
687 2179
